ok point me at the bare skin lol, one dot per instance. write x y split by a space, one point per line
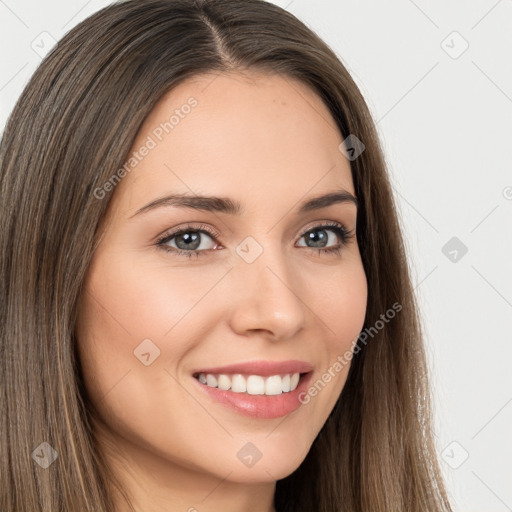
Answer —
269 143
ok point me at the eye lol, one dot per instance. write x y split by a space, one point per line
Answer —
320 239
188 241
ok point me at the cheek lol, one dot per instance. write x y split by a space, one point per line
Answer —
131 308
137 298
121 308
340 306
338 297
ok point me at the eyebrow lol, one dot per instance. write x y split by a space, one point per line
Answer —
233 207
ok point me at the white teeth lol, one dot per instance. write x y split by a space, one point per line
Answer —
211 380
238 384
253 385
294 380
224 382
286 383
273 385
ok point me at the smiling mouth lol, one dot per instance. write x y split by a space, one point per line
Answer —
270 385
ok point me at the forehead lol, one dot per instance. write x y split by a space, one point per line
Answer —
249 136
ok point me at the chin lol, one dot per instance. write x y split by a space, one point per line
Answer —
265 460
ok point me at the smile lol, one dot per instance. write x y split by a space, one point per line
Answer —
251 384
260 389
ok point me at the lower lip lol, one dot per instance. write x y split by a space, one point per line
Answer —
259 406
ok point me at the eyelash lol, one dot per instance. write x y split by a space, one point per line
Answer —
343 233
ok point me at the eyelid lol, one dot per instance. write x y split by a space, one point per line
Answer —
323 223
188 227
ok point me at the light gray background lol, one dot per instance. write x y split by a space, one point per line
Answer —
444 115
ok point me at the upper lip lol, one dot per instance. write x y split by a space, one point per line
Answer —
264 368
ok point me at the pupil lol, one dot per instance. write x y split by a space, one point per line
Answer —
191 241
318 240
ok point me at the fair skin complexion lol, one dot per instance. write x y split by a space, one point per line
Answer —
271 144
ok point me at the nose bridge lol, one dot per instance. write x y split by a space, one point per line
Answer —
267 294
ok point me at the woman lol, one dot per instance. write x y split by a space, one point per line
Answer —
206 302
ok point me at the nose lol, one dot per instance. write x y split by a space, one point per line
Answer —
267 297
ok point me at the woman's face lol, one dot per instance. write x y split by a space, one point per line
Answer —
241 292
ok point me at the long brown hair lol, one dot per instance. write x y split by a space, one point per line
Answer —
70 131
